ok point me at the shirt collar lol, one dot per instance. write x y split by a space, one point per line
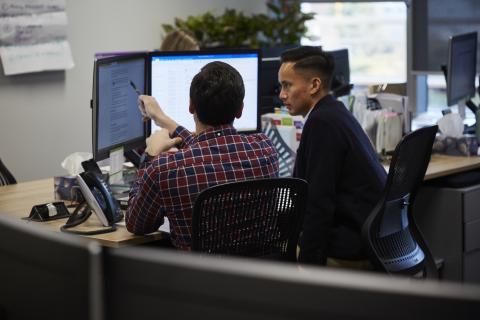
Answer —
215 132
308 113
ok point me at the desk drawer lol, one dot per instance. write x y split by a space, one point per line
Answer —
471 267
472 235
471 205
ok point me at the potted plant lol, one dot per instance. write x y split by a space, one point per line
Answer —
283 25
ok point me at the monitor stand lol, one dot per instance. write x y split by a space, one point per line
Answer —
461 108
133 156
473 129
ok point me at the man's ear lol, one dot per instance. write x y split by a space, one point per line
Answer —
316 85
238 114
191 107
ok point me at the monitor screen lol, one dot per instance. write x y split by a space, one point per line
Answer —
172 72
117 121
269 86
341 72
461 68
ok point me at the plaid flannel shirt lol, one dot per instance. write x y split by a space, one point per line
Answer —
168 185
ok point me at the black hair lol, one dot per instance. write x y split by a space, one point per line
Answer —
217 93
312 59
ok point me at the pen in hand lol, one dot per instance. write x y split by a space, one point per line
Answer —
135 87
141 106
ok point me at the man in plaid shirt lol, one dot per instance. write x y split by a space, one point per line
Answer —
169 182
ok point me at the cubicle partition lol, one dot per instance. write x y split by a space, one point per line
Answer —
48 275
144 283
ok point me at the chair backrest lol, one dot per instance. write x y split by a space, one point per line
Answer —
253 218
6 176
391 235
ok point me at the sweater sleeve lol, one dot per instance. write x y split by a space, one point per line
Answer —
322 159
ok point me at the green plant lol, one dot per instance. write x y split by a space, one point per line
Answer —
283 25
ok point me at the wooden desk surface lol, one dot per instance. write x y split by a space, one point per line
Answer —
443 165
17 200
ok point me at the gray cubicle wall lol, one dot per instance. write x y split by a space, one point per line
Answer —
435 21
46 116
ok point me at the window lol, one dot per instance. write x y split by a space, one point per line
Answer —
375 33
437 101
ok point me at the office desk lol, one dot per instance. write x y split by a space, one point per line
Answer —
443 165
17 200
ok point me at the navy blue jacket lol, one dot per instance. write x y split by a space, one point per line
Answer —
345 181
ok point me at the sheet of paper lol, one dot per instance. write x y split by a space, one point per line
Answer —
33 36
165 227
35 58
20 7
116 166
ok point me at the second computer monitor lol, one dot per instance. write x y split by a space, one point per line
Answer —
461 68
341 72
172 72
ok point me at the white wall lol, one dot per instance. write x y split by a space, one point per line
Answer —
46 116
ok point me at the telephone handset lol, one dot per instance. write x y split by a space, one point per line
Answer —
99 197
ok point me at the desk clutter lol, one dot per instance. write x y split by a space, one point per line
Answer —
384 117
87 191
466 145
285 132
48 211
452 140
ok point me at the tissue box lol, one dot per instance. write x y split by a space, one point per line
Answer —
66 188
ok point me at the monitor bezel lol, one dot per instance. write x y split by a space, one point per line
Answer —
209 51
269 99
340 55
451 100
138 142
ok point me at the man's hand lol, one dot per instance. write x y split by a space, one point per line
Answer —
150 109
160 141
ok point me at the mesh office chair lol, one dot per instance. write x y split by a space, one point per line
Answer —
253 218
6 177
392 238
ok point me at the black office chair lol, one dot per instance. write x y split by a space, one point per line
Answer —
6 177
392 238
253 218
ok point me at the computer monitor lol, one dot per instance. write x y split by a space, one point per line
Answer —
116 119
48 275
149 282
340 85
172 72
461 67
270 89
269 86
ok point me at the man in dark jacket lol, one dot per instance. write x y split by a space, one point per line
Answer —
335 156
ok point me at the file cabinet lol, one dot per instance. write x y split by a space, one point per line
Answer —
450 221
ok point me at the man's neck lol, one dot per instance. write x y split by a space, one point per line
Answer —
200 127
315 100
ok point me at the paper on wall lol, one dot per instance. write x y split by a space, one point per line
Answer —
10 8
33 36
38 57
